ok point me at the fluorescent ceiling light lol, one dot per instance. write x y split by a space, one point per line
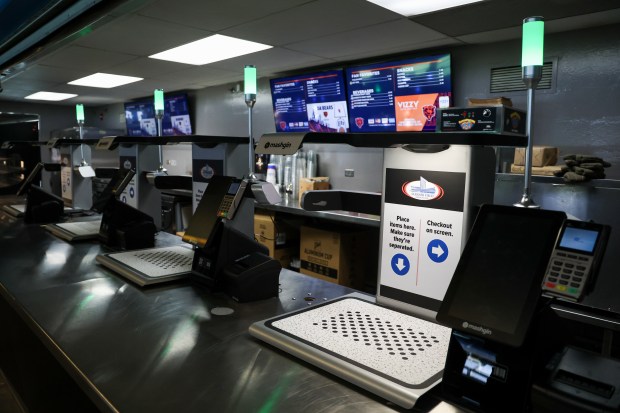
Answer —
414 7
210 49
50 96
105 80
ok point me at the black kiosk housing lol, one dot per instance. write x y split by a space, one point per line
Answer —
225 258
42 207
494 305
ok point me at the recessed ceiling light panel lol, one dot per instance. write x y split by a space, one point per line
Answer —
411 8
105 80
52 96
210 49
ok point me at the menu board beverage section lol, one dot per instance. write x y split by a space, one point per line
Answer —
313 102
400 95
140 117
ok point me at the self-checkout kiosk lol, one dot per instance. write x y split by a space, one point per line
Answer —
220 251
140 194
76 173
508 349
507 314
433 184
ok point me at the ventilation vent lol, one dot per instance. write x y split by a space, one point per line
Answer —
508 79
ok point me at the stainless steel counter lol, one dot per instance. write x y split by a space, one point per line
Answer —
163 349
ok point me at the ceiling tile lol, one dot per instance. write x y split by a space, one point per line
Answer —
146 67
216 15
486 16
140 36
85 58
51 74
323 17
371 39
269 59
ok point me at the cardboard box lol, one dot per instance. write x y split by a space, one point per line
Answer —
338 256
541 156
501 120
274 233
499 101
549 170
285 255
311 184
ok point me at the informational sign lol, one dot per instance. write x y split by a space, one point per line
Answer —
313 102
398 96
66 176
202 171
421 233
130 194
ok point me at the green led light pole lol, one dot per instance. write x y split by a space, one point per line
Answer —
249 91
531 64
83 168
79 116
159 115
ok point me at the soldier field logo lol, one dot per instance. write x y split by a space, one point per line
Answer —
423 190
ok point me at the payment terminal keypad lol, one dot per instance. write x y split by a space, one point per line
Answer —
567 274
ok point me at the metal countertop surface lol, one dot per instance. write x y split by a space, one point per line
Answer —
162 349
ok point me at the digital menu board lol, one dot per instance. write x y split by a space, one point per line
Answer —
140 117
314 102
398 96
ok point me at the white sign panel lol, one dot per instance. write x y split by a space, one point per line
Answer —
421 230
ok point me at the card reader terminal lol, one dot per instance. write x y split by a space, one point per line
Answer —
231 200
575 259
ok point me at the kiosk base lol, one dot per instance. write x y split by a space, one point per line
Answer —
394 355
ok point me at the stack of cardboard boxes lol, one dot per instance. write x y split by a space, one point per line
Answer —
340 256
280 237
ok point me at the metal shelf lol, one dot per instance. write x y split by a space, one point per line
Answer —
289 142
205 141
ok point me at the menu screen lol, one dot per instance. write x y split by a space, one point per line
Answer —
314 102
140 117
398 96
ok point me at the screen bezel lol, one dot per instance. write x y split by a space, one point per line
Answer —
447 317
589 226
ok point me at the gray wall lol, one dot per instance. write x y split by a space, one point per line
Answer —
582 113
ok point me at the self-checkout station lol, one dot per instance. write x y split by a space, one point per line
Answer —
480 270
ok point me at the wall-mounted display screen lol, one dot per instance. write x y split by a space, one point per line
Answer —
140 117
400 95
313 102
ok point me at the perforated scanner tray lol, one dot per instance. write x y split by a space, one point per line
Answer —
150 266
394 355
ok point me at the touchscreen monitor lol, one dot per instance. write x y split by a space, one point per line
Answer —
205 218
496 284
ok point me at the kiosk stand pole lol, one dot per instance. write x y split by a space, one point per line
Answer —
250 99
159 115
84 169
532 63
